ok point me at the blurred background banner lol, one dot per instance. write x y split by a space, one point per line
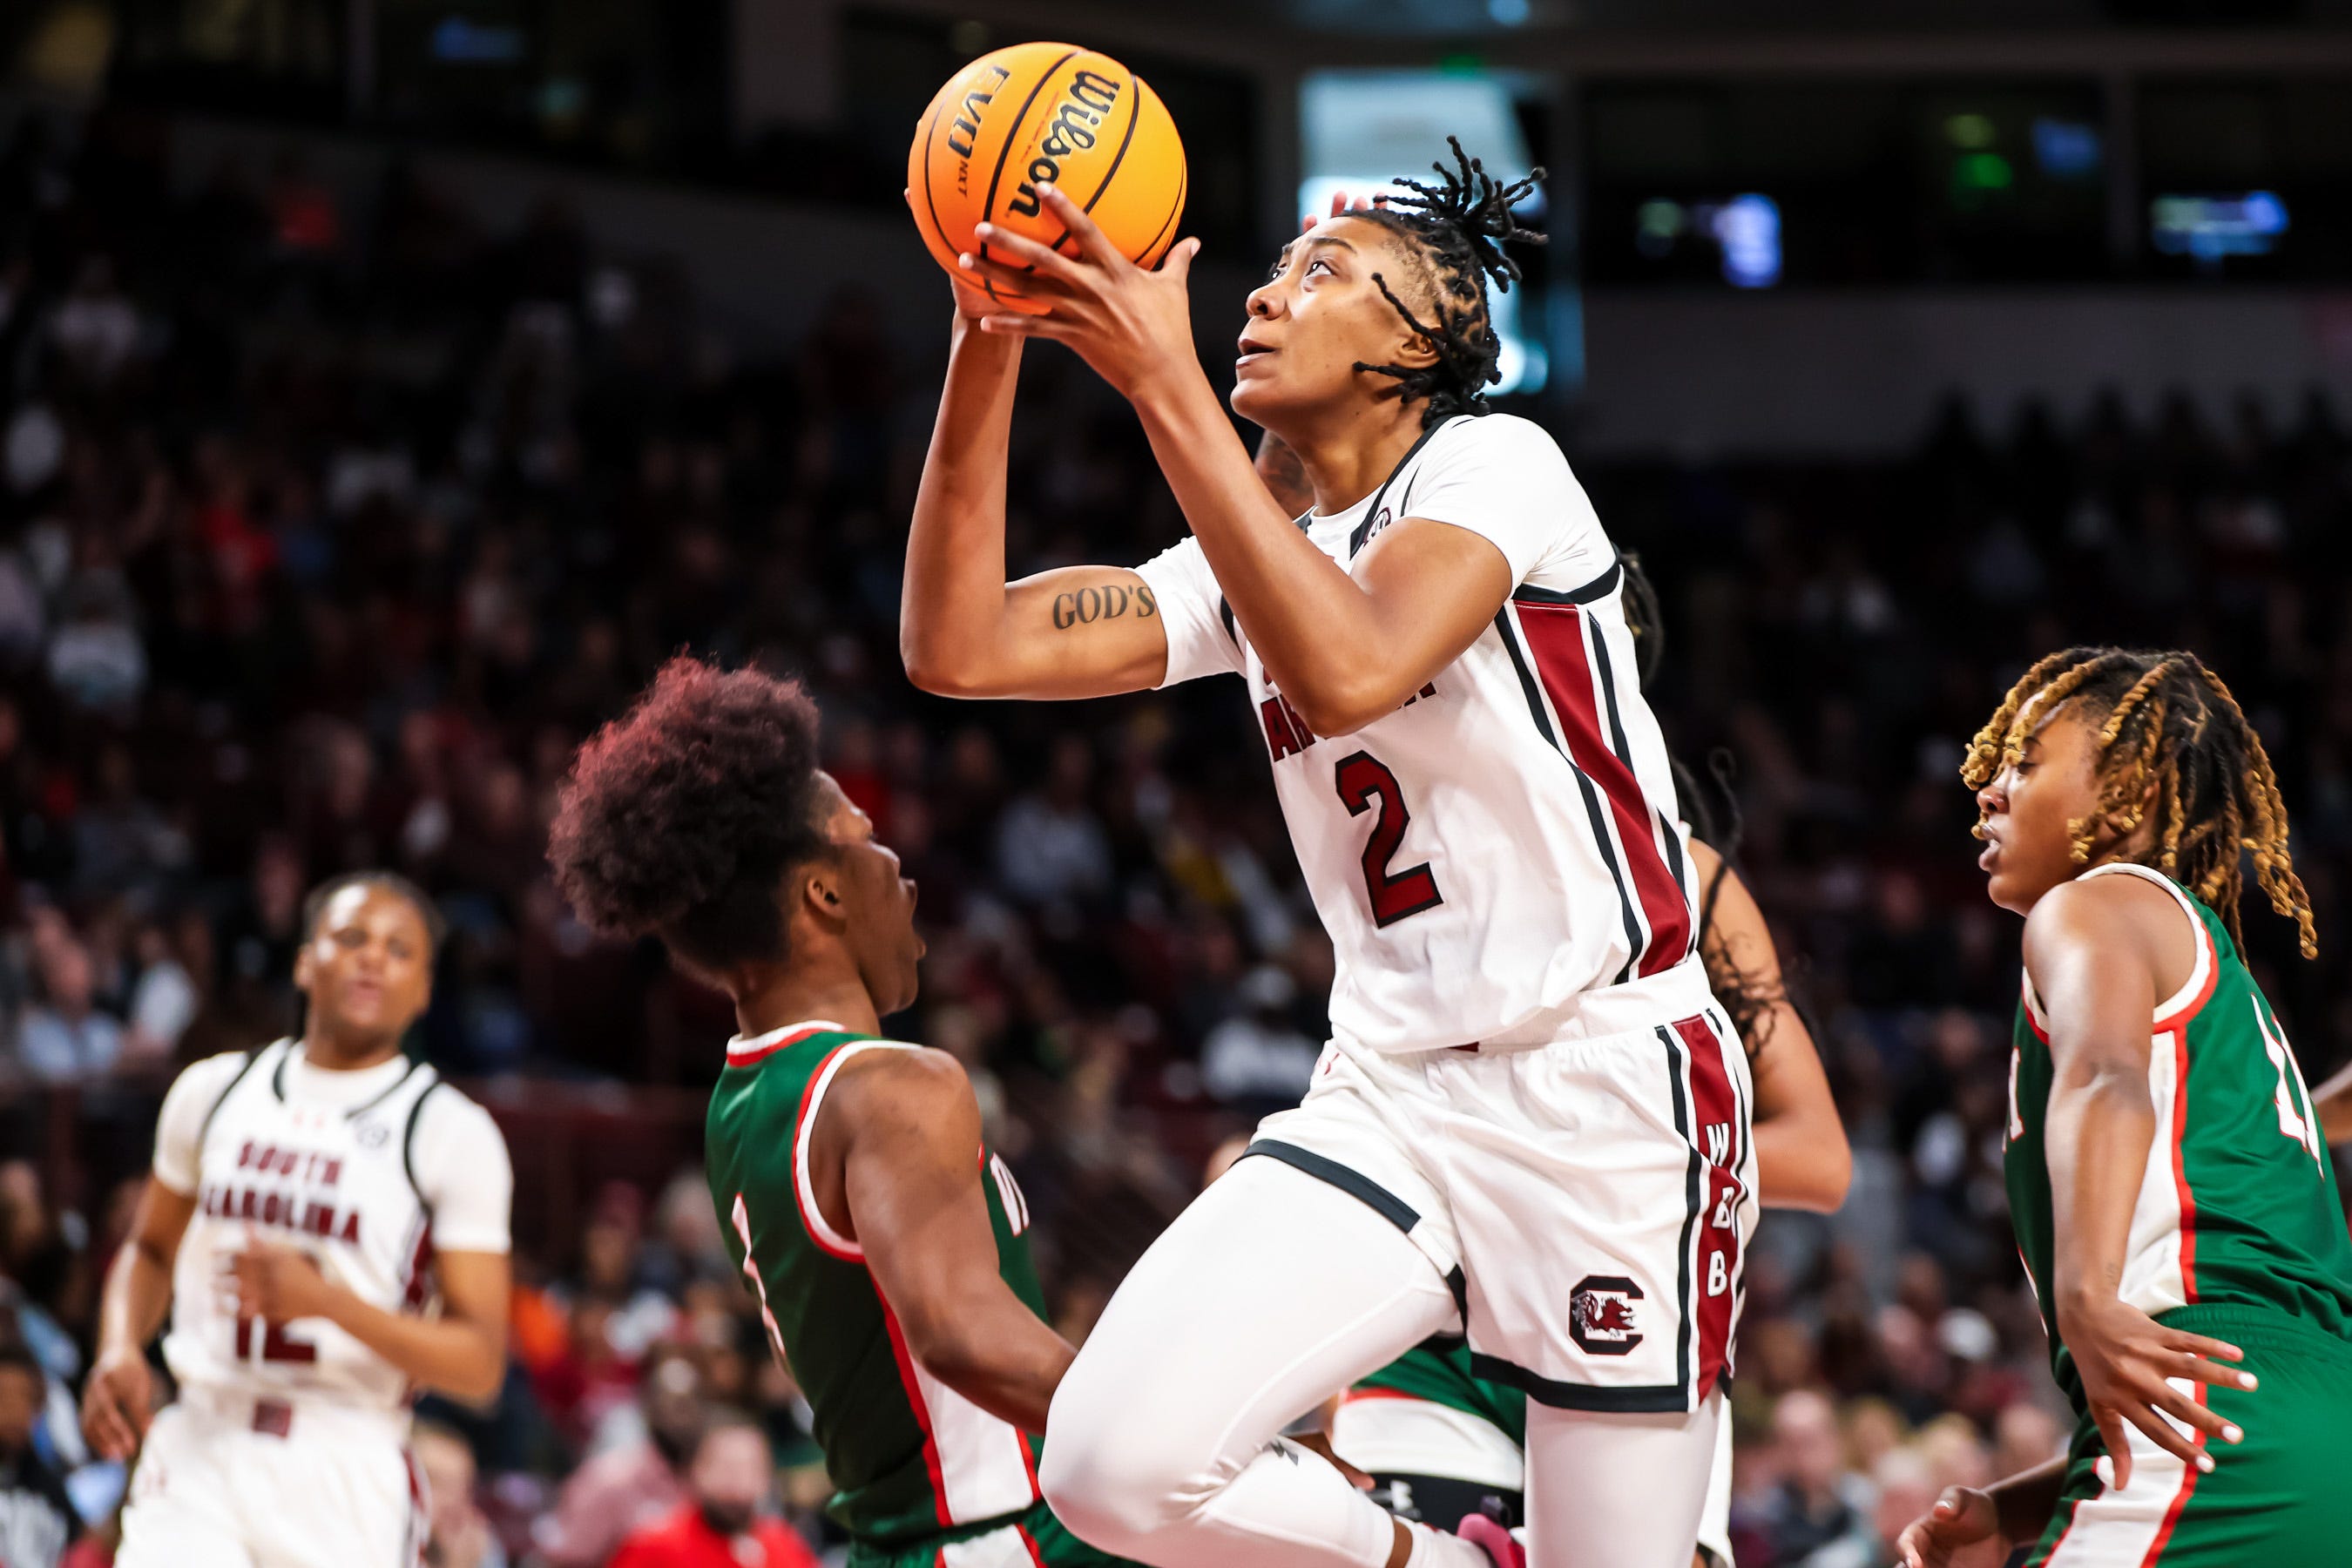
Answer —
388 386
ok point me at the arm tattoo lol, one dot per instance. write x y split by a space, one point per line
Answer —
1085 606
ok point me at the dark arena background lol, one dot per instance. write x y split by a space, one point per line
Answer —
390 385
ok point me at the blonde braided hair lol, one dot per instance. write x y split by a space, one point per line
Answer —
2209 785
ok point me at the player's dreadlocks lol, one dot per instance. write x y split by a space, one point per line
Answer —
2174 742
1460 225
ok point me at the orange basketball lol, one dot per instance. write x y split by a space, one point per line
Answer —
1035 113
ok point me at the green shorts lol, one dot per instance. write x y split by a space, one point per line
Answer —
2278 1500
1019 1542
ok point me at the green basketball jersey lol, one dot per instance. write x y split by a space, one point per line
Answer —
909 1456
2239 1206
1439 1372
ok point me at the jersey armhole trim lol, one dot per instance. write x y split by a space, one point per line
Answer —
205 1128
2183 1005
408 1145
1600 588
832 1243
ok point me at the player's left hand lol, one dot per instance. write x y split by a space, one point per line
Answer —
1130 324
277 1284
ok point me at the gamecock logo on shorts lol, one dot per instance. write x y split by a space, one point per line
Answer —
1601 1314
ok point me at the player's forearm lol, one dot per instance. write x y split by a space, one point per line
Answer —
1318 634
2101 1124
952 605
1802 1163
2023 1502
457 1357
1004 1360
137 1295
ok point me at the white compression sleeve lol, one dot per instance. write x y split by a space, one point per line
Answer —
1273 1291
1617 1491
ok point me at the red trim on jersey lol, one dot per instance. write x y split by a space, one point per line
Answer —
1357 1395
1555 636
420 1511
1028 1463
1029 1541
800 1120
914 1388
417 1288
2181 1161
736 1058
2180 1501
2178 1018
1713 1103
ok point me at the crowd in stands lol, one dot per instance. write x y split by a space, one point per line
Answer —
328 527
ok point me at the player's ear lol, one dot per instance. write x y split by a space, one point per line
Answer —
820 890
303 968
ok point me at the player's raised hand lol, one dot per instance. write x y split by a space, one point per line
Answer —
2126 1360
1130 325
1961 1517
116 1401
277 1284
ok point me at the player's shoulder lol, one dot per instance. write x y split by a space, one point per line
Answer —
904 1064
1490 437
442 1109
210 1076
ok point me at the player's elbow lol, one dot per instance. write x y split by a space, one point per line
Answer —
940 670
1341 702
943 1343
1828 1176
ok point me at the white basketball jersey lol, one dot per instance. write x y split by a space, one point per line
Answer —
338 1181
1507 841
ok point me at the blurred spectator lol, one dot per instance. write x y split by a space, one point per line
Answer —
1823 1514
720 1526
627 1487
36 1518
65 1035
459 1536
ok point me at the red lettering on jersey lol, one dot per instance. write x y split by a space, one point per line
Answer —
246 1206
273 1209
1306 737
1281 740
350 1231
333 1173
245 1155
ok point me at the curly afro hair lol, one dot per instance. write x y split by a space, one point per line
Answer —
680 819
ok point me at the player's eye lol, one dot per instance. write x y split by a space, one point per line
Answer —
1318 261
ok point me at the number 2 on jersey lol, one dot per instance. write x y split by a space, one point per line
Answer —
1394 894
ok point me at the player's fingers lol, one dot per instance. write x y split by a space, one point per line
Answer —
2212 1349
1338 205
1012 325
2202 1418
1178 262
1092 242
981 274
2164 1435
1001 247
2197 1369
2119 1462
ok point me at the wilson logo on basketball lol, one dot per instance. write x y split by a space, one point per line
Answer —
1085 102
1601 1314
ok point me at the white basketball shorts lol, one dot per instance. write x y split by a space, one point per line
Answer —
334 1488
1590 1200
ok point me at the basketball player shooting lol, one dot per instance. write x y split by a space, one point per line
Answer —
326 1224
1531 1125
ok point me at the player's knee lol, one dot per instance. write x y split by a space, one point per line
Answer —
1110 1479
